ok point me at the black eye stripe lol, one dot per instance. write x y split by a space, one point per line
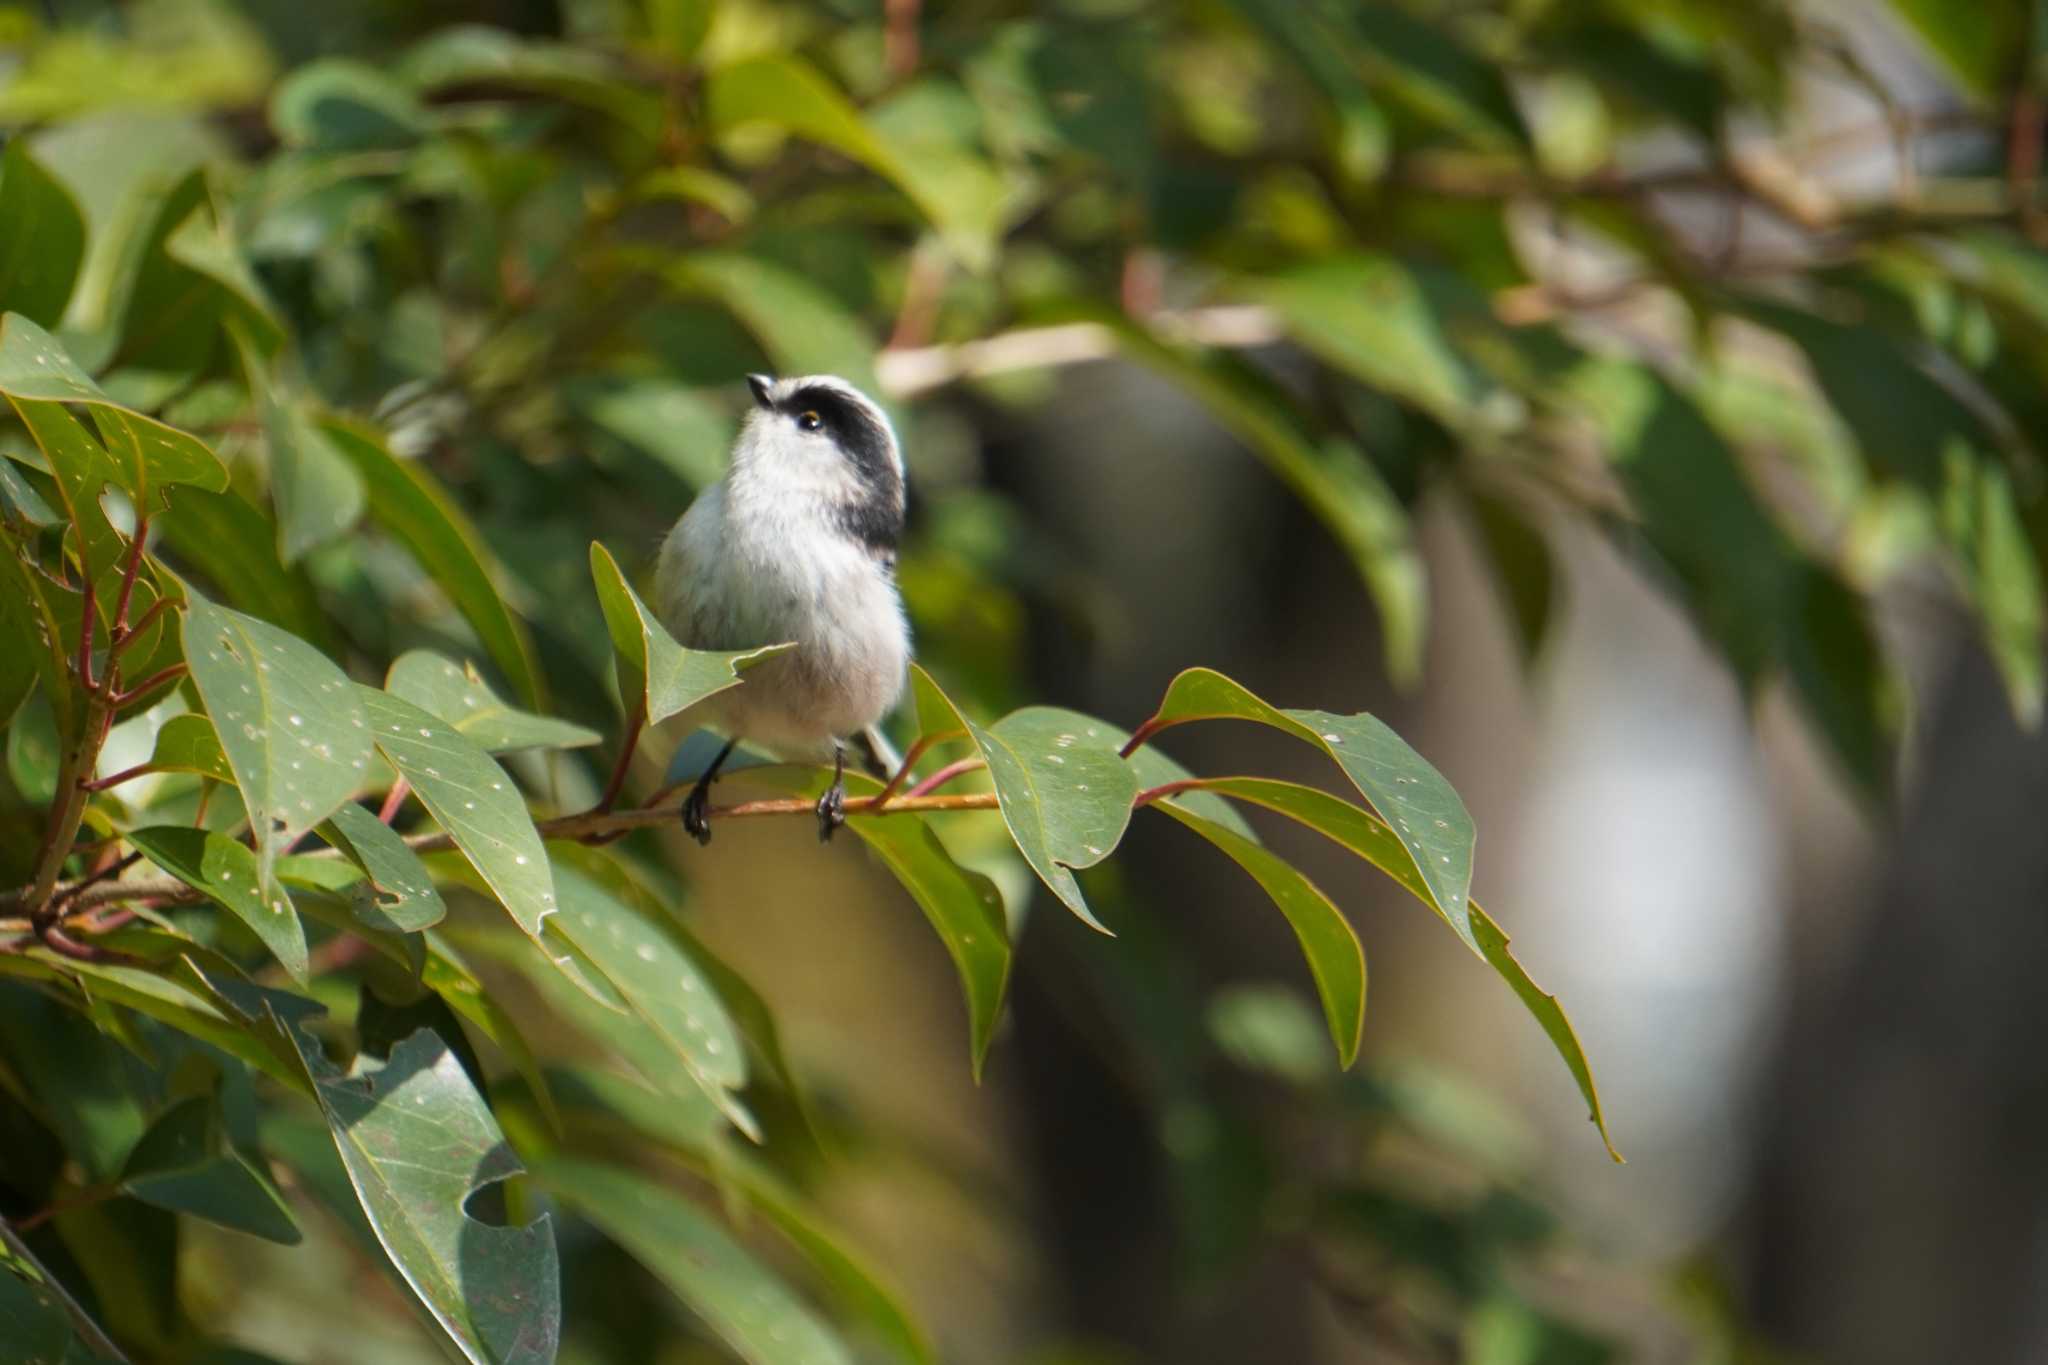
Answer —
853 427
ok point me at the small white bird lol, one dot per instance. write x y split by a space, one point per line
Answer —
796 543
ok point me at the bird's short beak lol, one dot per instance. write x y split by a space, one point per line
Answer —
760 384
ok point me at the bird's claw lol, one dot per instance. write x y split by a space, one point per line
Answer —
695 822
831 812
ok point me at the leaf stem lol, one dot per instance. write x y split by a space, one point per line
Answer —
629 742
142 625
394 799
918 750
943 776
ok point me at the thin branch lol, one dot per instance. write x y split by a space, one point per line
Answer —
100 784
142 625
628 743
943 776
905 373
918 749
147 685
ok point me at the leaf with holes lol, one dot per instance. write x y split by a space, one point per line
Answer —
653 669
662 986
417 1141
406 500
227 872
1065 795
1335 958
400 896
751 1310
462 698
291 723
1368 836
1426 813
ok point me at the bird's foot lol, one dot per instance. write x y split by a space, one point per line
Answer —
831 811
696 823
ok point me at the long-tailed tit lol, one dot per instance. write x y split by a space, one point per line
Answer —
796 543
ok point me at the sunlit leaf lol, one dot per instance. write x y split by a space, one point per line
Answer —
289 721
1065 795
738 1298
43 241
187 744
1426 813
227 871
400 896
234 544
654 671
662 986
463 699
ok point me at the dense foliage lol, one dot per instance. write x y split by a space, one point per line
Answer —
346 393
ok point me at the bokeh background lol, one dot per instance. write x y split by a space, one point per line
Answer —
1634 405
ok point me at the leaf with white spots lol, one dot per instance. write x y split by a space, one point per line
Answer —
653 669
458 695
470 796
417 1141
741 1300
400 895
290 722
227 872
1425 812
662 987
1065 794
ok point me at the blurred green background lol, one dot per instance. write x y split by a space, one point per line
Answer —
1637 405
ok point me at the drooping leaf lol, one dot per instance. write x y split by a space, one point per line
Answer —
1372 839
400 896
470 796
36 640
1335 958
746 1305
417 1141
1065 795
187 744
407 502
340 105
1522 571
463 699
655 671
43 241
662 986
1425 812
480 54
1332 476
185 1163
290 722
227 871
318 493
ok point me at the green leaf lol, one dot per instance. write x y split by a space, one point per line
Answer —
417 1141
479 54
1424 67
1981 44
35 1324
184 1163
1333 477
1370 838
662 986
407 501
654 670
461 697
470 796
1065 795
43 242
36 642
140 454
187 744
747 1306
228 872
400 896
179 283
962 201
1522 571
1335 958
289 721
1430 819
234 544
1981 519
803 329
339 105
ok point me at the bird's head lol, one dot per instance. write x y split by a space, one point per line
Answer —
820 433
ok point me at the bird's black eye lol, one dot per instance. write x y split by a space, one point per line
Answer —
810 421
